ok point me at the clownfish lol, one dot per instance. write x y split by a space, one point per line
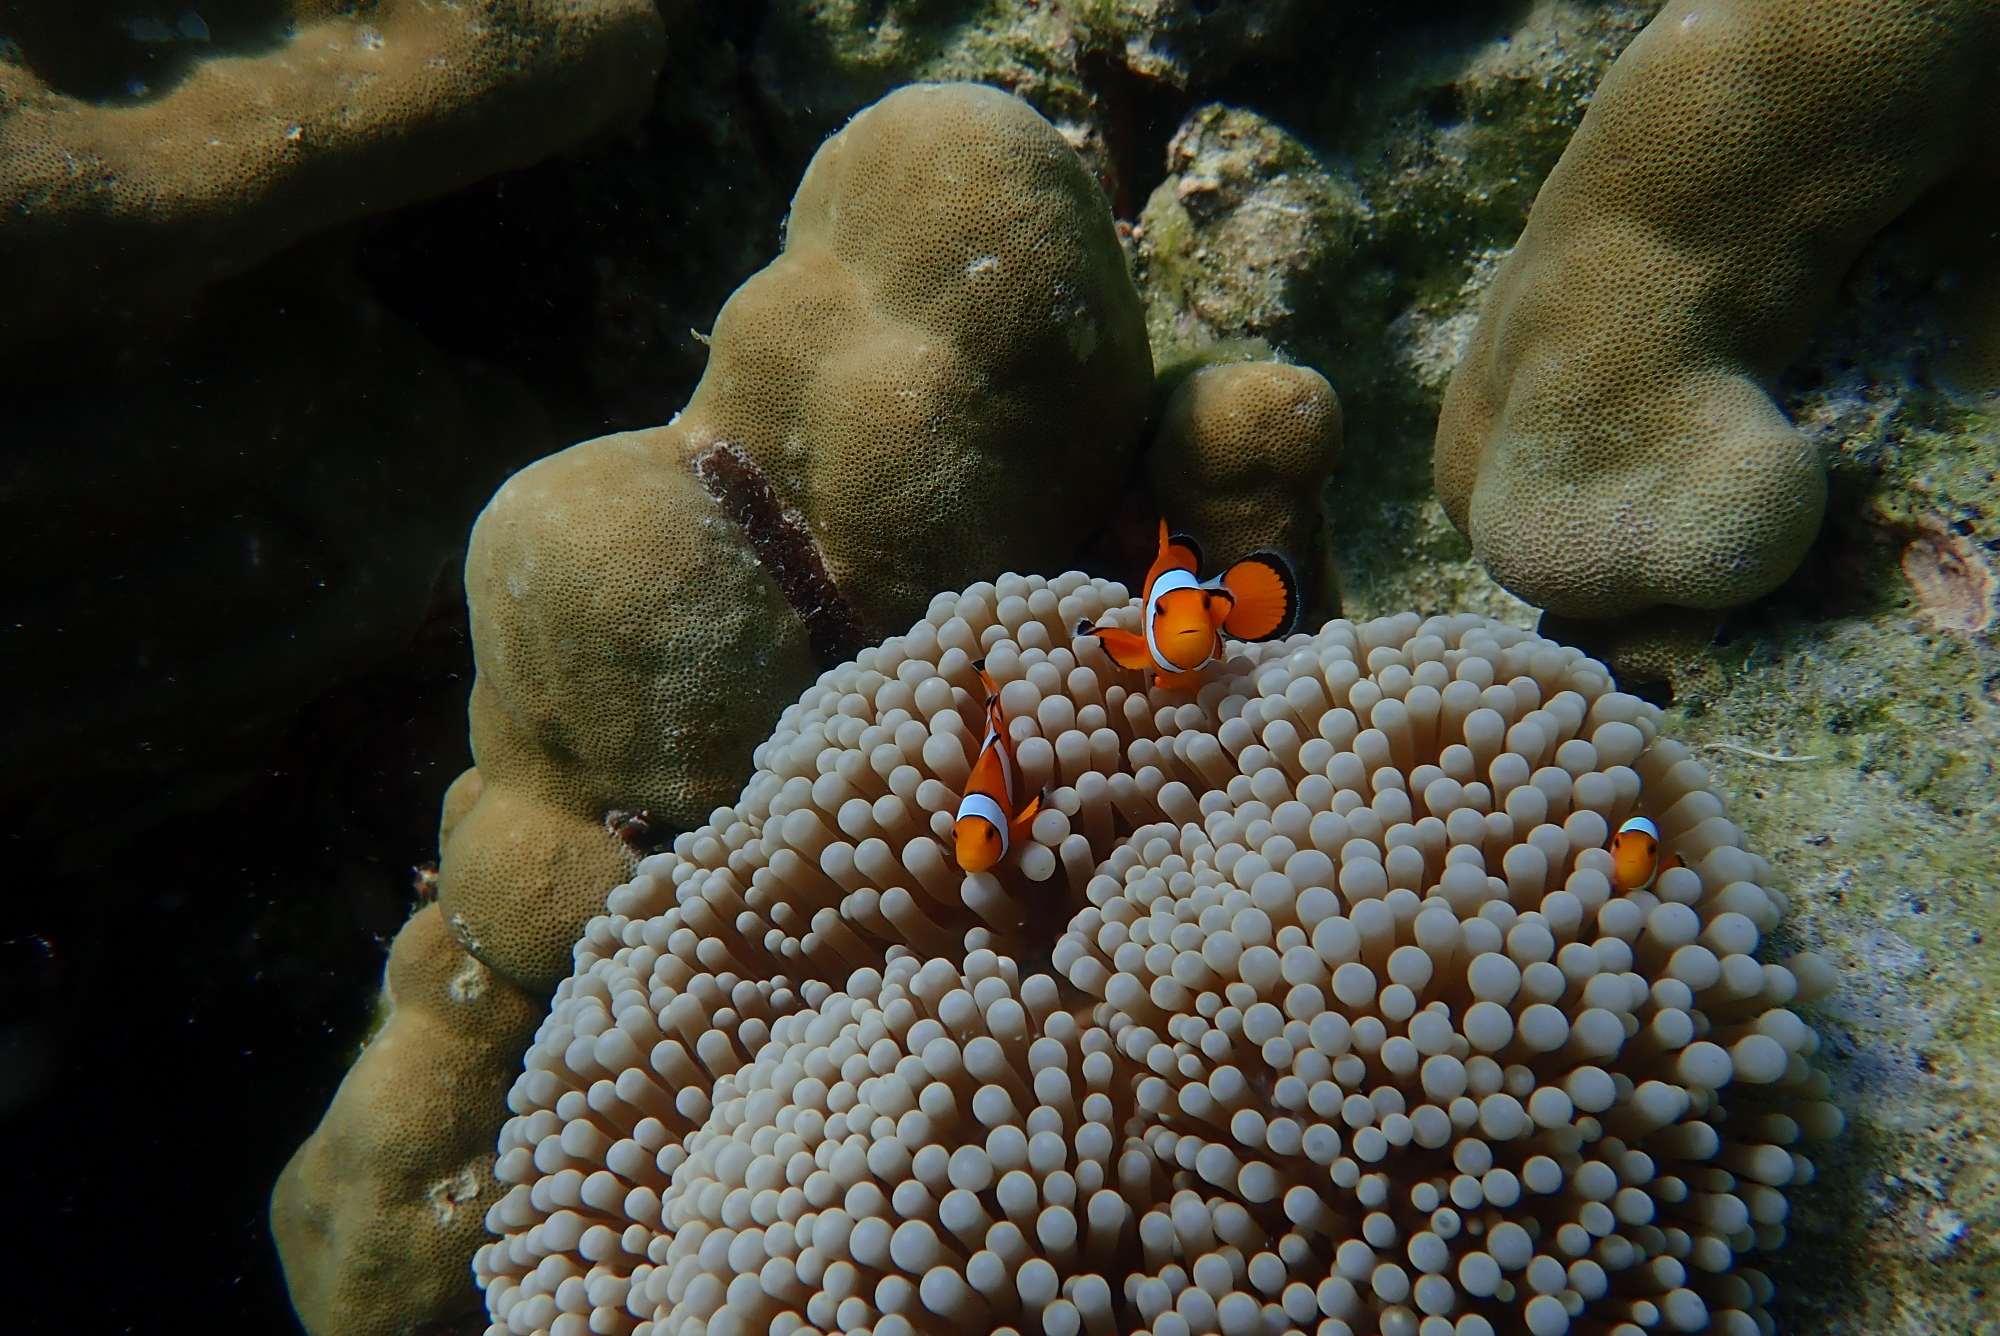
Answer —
989 822
1635 856
1186 618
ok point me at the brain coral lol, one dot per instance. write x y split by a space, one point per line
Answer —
1348 1029
1608 442
134 199
945 371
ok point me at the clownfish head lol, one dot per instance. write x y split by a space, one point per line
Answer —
1635 855
1184 626
980 843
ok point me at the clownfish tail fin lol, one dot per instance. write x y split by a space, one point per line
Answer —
1266 594
986 680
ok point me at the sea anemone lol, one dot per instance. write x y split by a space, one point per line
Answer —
1349 1028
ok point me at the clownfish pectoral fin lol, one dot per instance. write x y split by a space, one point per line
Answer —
1127 649
1218 603
1178 552
1019 828
1266 597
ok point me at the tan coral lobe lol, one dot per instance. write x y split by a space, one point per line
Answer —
1609 441
370 1214
1240 443
110 203
1347 1032
935 386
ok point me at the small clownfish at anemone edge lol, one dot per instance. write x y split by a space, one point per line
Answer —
1635 856
990 819
1186 618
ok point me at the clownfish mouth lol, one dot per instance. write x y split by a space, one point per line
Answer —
1186 650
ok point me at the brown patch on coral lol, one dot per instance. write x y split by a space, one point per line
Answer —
1955 583
784 544
1658 647
642 832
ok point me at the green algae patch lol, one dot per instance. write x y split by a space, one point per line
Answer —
1857 754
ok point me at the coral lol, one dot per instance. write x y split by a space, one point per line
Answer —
1566 1101
376 1212
820 61
1242 239
1184 42
1349 211
1609 442
1238 444
309 118
1864 730
921 328
944 371
1952 576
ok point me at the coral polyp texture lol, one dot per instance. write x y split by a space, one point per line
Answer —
1311 1005
1609 441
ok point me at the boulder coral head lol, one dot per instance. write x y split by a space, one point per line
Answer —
1311 1005
1609 441
116 194
1239 443
945 371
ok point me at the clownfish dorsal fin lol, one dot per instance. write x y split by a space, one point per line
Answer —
1265 597
1178 552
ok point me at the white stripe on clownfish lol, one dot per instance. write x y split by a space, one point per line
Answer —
1167 583
979 805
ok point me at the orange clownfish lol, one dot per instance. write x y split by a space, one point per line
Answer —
1635 856
1256 599
989 821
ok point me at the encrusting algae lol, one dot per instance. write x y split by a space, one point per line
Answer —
1348 1029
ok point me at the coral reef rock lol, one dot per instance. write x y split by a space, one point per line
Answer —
1349 213
1349 1028
818 62
270 128
944 372
1610 441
